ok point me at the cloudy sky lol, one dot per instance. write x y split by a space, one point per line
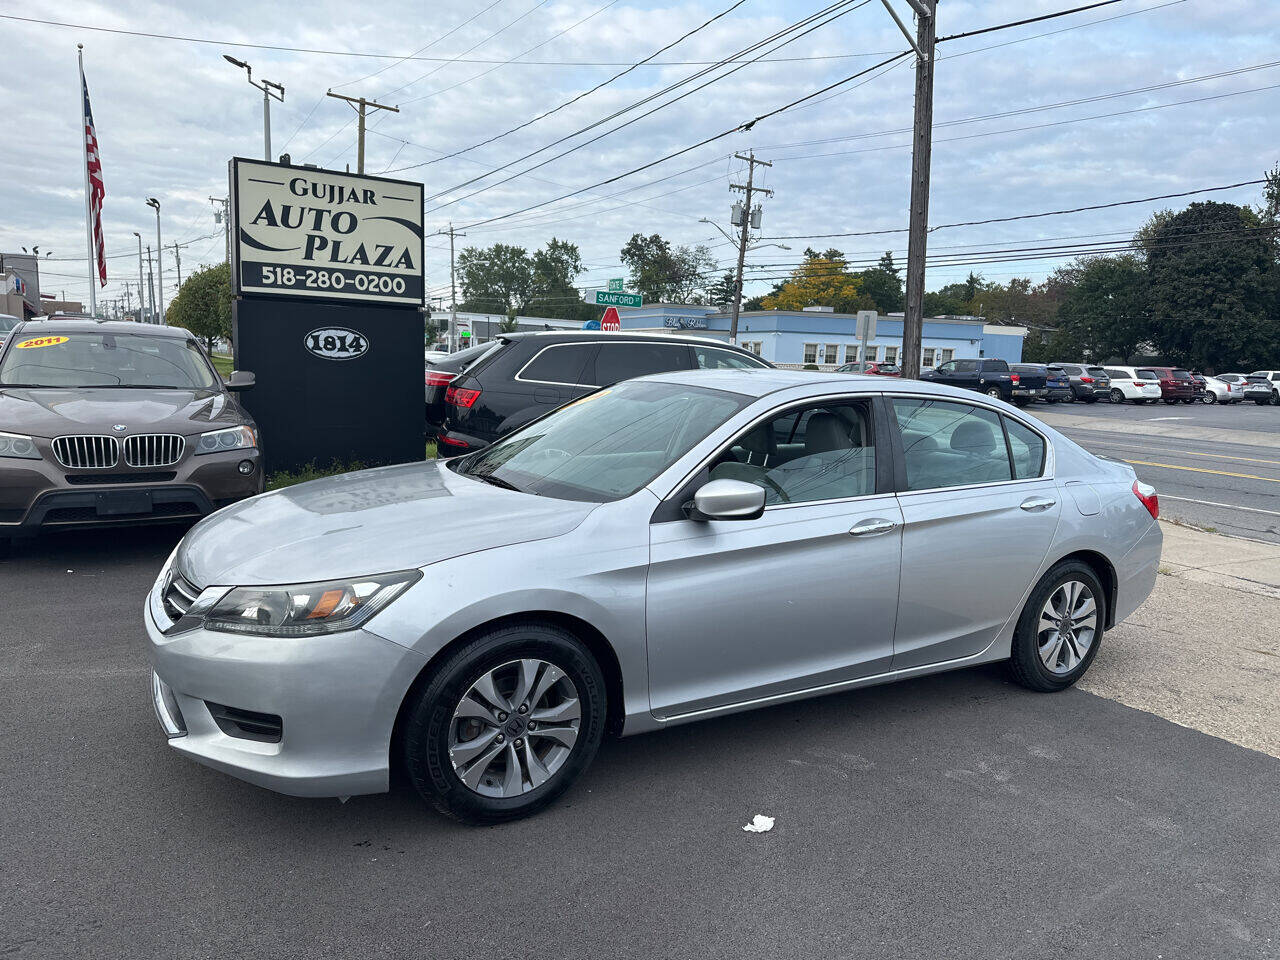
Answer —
1086 109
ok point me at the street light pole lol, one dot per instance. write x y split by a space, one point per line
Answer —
142 300
269 89
153 202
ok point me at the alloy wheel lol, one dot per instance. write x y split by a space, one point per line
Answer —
1116 395
514 728
1067 628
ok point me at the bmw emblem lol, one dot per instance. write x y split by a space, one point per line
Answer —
119 427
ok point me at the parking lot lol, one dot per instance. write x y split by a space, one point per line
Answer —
957 815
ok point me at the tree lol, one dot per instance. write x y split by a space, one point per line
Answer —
495 279
883 285
663 273
554 269
1214 280
823 279
203 305
721 292
1105 309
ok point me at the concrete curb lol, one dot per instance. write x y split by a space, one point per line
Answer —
1249 566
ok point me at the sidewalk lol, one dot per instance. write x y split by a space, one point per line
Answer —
1204 650
1245 565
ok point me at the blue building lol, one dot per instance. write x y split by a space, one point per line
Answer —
817 335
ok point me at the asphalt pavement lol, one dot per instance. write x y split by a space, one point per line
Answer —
952 816
1215 467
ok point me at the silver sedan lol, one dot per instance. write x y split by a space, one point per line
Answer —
675 547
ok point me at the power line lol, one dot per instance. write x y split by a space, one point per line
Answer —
1022 23
598 86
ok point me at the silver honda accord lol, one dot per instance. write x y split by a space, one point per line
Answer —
675 547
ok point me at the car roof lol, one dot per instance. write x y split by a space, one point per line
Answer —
61 325
606 335
762 381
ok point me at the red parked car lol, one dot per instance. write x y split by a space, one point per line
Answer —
1175 384
874 368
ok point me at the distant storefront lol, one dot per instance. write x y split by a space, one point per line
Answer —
827 339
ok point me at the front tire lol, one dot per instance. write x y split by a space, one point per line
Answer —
1060 629
994 393
506 724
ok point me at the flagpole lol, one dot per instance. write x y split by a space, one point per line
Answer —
88 204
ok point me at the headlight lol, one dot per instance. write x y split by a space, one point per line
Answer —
18 445
233 438
307 609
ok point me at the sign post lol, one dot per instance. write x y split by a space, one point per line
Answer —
327 281
866 331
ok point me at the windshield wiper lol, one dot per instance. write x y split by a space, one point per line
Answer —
496 481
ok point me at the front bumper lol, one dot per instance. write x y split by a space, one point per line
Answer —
36 494
336 697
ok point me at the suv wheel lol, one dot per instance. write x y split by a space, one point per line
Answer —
1060 628
506 725
994 393
1117 395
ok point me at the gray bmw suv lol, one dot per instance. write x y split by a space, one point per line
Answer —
108 423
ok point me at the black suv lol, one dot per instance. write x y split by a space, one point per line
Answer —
529 374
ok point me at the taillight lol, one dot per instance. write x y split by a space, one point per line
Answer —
434 378
1139 383
450 442
1086 379
461 396
1147 494
1015 377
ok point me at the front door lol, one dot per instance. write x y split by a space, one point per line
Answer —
978 519
803 596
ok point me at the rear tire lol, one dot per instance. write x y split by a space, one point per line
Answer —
1210 397
1043 658
1117 395
564 692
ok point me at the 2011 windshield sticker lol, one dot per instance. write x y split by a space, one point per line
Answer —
40 342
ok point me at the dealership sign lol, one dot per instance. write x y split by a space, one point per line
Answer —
336 343
302 232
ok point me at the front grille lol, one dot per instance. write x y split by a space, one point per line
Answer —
153 449
101 478
179 594
246 724
87 452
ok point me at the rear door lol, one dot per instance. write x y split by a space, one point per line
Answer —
979 510
540 384
624 359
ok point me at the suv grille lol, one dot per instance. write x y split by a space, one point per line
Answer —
87 452
179 595
153 449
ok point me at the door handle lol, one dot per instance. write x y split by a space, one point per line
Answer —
1037 503
872 527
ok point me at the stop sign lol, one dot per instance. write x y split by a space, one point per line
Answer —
611 320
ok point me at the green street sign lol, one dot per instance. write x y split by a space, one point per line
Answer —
610 298
615 285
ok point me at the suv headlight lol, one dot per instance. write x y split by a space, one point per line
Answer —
307 609
233 438
18 445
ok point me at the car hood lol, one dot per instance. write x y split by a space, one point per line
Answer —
372 521
52 412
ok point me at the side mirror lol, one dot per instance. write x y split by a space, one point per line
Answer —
240 380
727 500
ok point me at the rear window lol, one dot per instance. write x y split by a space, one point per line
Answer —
1098 372
1148 375
463 359
1181 375
558 363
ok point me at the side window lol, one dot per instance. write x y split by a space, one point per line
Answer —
822 452
709 358
621 361
966 366
947 367
1027 449
948 444
559 363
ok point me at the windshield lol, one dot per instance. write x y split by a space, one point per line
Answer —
606 445
76 359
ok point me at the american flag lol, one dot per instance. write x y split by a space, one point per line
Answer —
97 189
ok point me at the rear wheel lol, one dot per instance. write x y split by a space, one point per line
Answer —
1060 628
1210 397
506 725
1117 395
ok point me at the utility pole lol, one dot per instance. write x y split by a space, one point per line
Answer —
921 151
128 303
359 104
749 219
142 300
223 216
453 288
177 257
269 90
